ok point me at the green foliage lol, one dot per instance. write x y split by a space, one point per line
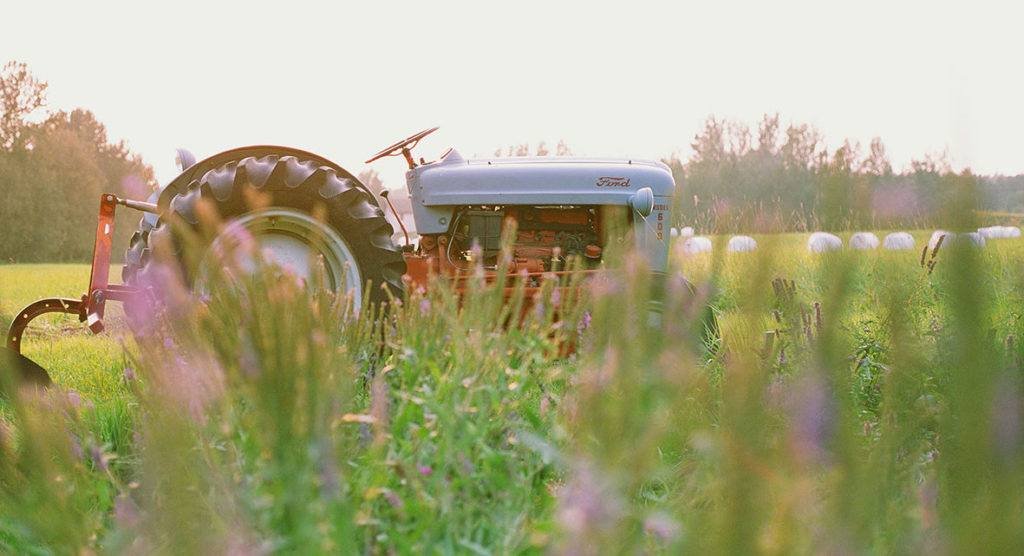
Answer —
790 181
850 401
52 174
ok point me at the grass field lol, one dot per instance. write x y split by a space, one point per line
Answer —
77 359
842 402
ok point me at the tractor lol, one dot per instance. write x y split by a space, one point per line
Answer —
314 216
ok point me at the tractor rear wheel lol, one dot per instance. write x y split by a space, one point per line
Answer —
308 215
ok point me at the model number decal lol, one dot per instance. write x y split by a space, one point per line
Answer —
608 181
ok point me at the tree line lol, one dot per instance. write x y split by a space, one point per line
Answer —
53 167
54 164
787 179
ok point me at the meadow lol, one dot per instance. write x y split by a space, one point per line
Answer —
787 402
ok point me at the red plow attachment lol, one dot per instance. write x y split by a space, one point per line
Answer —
90 308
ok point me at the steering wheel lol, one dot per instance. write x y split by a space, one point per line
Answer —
403 147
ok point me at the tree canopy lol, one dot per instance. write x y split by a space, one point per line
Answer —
790 180
52 173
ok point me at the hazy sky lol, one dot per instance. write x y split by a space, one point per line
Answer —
629 78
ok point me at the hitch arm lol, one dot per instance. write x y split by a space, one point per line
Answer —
100 289
91 306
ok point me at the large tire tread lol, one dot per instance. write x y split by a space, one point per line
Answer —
287 181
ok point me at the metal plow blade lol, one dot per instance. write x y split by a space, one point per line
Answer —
16 366
22 369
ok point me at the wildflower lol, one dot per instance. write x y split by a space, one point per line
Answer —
476 252
76 447
539 309
1006 420
813 420
365 434
192 384
467 465
248 360
393 499
661 526
126 513
425 470
424 306
587 504
99 459
605 285
330 483
584 323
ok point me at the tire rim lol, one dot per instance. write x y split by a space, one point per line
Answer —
291 240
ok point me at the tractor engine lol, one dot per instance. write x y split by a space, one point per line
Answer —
546 238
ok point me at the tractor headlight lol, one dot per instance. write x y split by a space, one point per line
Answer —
643 201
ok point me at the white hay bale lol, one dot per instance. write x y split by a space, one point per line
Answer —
819 242
687 231
999 232
898 241
975 238
991 232
936 235
741 244
863 241
696 244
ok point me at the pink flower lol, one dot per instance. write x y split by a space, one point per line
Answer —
662 526
584 323
812 418
99 459
126 513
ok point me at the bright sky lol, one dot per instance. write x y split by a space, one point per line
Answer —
629 78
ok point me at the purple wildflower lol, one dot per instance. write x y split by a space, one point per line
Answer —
1006 420
424 306
393 499
813 419
330 482
99 459
587 504
248 360
584 323
76 448
425 470
661 526
539 309
126 513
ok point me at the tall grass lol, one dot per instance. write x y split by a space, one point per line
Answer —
780 402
